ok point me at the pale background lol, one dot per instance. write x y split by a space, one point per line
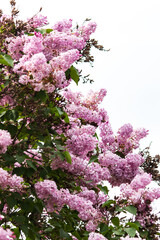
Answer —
130 70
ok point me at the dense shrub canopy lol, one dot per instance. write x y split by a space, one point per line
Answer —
53 164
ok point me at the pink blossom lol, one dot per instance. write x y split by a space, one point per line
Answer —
63 26
121 169
87 30
5 140
6 234
38 21
96 236
55 199
81 140
65 60
14 182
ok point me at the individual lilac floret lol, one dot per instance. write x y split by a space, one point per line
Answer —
5 140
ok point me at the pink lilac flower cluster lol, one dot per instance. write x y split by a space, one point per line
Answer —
96 236
81 140
93 99
6 234
137 193
107 136
38 21
79 107
6 100
63 26
87 30
41 60
55 199
126 140
121 169
96 199
5 140
80 167
13 182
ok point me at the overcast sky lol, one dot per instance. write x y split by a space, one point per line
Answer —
130 71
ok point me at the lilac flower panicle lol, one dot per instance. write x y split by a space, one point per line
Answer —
38 21
5 140
6 234
96 236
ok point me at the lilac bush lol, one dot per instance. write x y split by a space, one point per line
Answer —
54 164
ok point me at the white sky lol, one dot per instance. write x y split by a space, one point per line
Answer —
130 71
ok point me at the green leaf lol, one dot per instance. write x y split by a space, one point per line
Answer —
16 232
103 227
4 85
47 141
94 158
143 234
6 60
12 129
8 158
30 164
133 225
119 231
20 219
66 118
118 209
27 205
25 230
138 224
19 171
41 95
43 31
21 158
74 74
68 157
59 111
76 234
49 229
49 30
103 189
11 115
131 209
2 112
115 221
131 231
11 201
108 203
64 234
